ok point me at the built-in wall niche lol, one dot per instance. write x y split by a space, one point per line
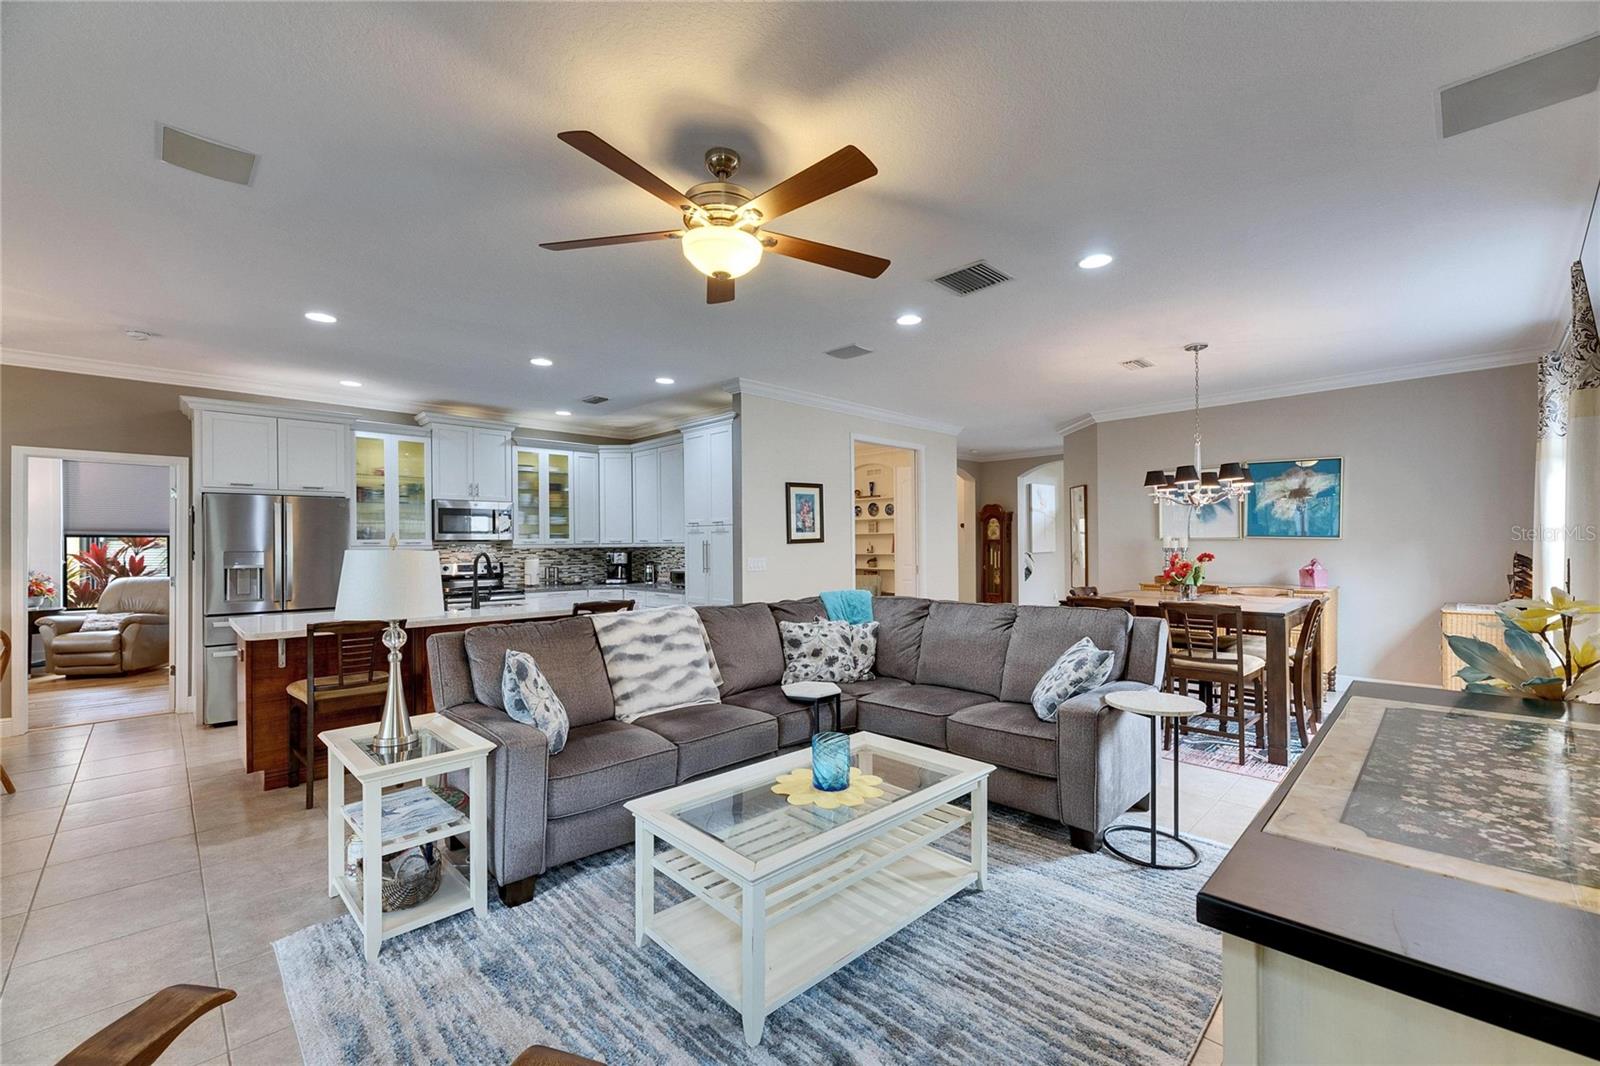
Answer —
884 519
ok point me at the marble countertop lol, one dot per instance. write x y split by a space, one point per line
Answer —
632 586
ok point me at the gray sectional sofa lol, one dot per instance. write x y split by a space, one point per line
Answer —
955 676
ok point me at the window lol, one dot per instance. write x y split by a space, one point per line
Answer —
93 560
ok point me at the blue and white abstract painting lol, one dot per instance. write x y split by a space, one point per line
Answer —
1295 498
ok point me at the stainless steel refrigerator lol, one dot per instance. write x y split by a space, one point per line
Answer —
262 554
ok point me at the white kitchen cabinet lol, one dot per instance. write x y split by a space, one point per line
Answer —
491 464
391 490
721 556
239 451
647 496
585 498
697 566
470 462
671 531
696 478
544 498
313 456
616 496
721 474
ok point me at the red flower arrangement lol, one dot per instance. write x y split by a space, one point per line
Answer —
1180 571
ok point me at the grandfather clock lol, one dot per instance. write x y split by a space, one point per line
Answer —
994 554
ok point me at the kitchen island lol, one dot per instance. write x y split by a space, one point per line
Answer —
272 653
1424 887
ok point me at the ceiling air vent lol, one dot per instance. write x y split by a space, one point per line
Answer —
595 399
849 351
1137 364
206 157
970 279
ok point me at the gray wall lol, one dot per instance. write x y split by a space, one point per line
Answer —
1438 472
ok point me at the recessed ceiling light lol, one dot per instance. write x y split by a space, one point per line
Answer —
1095 261
665 381
909 319
349 384
321 316
540 360
564 414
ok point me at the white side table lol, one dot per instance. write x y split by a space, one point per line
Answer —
443 747
1155 706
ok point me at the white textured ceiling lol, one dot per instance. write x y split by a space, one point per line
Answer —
1270 177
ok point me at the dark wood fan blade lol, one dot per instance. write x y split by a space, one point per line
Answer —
719 290
840 170
621 238
615 161
828 255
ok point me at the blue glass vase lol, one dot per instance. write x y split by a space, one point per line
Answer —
830 762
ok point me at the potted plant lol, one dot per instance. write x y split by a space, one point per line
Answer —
41 589
1542 660
1184 576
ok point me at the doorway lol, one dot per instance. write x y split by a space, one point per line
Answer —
887 518
1041 541
966 537
98 587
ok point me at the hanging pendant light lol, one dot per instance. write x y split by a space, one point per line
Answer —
1192 485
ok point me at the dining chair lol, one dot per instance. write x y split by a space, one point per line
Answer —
1305 685
601 606
1195 652
1083 590
354 691
1102 602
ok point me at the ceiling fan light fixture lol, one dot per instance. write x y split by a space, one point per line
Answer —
721 251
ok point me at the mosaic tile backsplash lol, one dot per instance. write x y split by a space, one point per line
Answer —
587 565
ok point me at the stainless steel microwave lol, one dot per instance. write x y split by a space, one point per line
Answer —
471 520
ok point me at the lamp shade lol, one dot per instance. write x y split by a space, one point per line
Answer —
1208 480
721 251
1154 479
389 585
1186 475
1230 472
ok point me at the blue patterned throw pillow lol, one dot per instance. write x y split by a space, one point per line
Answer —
1080 668
530 699
828 651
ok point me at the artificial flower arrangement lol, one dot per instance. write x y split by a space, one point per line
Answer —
1183 575
41 586
1543 660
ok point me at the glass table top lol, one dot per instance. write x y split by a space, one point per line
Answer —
755 822
428 743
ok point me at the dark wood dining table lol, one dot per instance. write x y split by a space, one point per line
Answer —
1276 616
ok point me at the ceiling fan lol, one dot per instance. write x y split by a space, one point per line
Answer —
722 230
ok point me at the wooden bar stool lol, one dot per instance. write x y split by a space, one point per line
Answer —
1196 635
354 690
601 606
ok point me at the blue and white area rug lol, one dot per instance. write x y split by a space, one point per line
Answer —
1068 957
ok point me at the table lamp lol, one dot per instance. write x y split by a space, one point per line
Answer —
391 585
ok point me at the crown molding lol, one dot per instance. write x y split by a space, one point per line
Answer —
1440 368
1067 429
1007 456
845 407
276 390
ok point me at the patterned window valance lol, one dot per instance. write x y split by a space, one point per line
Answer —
1573 365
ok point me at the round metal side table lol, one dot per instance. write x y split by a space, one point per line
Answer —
1155 706
818 694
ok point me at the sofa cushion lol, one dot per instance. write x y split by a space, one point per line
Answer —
609 762
1005 734
657 660
568 656
867 688
913 712
530 700
96 640
964 646
828 651
1041 634
806 610
794 718
744 644
716 736
1080 668
900 621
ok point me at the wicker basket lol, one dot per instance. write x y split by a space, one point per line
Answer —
409 877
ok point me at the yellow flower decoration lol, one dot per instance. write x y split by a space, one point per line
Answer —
802 792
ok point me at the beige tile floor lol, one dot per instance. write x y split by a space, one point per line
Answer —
135 855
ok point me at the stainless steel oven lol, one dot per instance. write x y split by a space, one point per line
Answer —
471 520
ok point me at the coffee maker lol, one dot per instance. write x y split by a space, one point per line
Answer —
619 568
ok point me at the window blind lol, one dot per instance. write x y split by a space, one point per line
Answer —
113 498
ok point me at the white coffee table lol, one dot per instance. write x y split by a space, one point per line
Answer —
444 747
1155 706
781 896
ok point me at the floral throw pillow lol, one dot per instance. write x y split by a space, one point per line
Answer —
529 699
828 651
1080 668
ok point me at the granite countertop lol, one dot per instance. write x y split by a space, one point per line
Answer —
590 586
291 624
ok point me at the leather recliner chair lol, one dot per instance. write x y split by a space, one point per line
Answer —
137 640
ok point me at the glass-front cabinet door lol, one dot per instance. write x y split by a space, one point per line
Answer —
391 489
544 496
